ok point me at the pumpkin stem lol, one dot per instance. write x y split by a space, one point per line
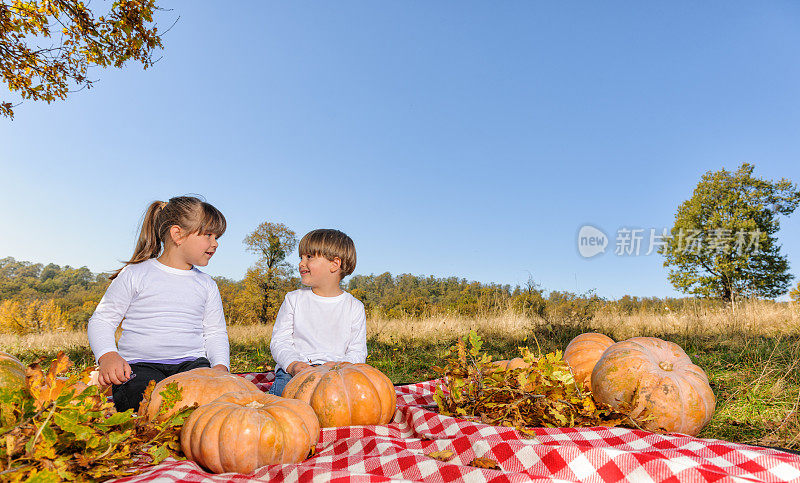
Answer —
667 366
255 404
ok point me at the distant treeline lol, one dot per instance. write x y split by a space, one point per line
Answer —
36 297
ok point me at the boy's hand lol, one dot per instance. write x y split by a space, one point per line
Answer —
221 367
296 367
113 369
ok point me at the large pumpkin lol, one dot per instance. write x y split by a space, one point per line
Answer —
345 394
583 352
654 382
200 386
12 371
241 431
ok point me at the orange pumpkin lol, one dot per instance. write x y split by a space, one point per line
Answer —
583 352
656 384
12 371
509 364
199 386
345 394
241 431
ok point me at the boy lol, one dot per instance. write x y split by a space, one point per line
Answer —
319 323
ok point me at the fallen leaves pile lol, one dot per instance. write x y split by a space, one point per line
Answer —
52 430
542 394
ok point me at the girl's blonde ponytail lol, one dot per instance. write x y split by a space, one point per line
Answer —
149 244
192 214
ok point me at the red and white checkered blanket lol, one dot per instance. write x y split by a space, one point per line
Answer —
397 451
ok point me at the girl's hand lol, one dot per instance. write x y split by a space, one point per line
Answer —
221 367
296 367
113 369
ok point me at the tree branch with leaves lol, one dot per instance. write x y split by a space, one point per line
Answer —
48 47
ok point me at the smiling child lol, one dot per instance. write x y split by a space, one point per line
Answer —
319 323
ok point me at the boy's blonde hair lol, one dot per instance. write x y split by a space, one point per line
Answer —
330 244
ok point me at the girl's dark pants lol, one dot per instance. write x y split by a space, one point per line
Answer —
129 394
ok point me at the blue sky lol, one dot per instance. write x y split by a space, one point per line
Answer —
447 138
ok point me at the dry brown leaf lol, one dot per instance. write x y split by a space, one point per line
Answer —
486 463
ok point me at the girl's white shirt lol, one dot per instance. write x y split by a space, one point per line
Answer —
168 314
314 329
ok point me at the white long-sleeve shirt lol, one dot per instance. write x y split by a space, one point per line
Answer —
170 314
314 329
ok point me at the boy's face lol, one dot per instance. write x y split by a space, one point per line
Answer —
318 271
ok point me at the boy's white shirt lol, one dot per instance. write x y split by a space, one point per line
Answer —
314 329
169 314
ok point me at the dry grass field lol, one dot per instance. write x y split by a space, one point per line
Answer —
750 353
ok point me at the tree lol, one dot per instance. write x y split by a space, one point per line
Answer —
47 47
237 302
530 298
30 316
270 277
795 293
724 243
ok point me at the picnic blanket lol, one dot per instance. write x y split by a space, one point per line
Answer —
398 451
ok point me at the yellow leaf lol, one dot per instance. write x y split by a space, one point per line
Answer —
444 455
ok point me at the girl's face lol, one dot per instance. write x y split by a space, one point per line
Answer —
198 249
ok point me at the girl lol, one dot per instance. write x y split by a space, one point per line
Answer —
171 312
